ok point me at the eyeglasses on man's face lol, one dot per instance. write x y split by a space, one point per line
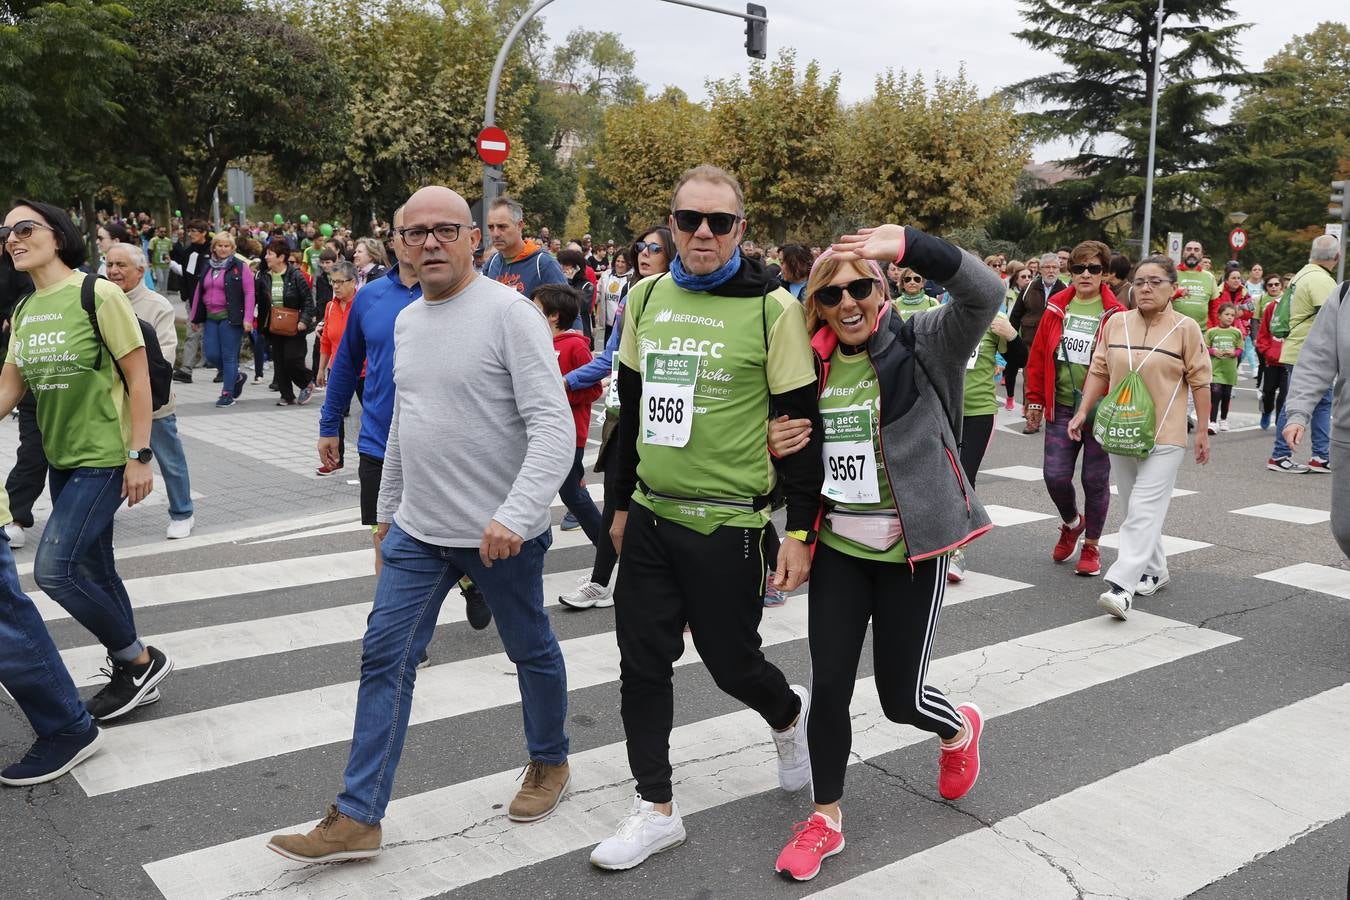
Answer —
446 233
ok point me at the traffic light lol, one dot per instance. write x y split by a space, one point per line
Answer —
756 31
1339 208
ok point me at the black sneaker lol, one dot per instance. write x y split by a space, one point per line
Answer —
239 381
219 379
182 376
476 609
128 686
51 757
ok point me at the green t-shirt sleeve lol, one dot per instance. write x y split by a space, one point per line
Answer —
1214 289
789 364
628 354
121 332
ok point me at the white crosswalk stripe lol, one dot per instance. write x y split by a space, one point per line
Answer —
1228 797
452 837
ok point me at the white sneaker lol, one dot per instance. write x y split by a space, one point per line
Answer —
17 537
794 759
1223 424
588 594
956 567
1213 429
643 832
180 528
1116 601
1151 584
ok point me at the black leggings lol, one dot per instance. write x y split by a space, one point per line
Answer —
1010 380
903 607
1220 398
670 575
976 432
1274 389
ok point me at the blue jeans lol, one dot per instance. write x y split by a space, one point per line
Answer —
221 346
30 668
414 580
173 467
74 563
1321 428
578 500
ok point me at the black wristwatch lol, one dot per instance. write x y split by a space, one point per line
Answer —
143 455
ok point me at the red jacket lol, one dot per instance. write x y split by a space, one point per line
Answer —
1041 363
574 351
1242 300
1267 344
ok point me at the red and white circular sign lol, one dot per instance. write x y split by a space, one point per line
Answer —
493 145
1237 239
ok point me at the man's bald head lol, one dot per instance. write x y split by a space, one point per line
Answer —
443 267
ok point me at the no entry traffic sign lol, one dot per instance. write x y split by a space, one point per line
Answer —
493 146
1237 239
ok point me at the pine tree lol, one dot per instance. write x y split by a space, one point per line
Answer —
1100 97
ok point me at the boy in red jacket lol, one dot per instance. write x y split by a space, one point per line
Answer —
561 303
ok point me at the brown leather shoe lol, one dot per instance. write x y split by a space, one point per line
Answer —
336 838
541 793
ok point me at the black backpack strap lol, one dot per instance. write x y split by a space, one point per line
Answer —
87 301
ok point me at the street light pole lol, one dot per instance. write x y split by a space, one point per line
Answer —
492 175
1152 134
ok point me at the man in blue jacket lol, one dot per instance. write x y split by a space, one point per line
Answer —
369 341
517 263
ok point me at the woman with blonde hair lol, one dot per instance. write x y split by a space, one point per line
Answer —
370 260
222 309
895 503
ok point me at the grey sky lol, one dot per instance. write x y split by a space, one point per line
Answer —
681 46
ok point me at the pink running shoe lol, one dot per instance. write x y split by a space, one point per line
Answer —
813 842
958 767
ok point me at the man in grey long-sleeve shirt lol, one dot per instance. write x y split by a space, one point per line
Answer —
1324 363
481 439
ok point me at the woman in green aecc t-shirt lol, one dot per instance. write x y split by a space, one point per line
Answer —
96 434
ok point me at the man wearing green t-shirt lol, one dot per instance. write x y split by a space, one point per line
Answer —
1201 289
709 351
1199 285
161 248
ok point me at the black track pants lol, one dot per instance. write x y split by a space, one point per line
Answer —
903 607
670 575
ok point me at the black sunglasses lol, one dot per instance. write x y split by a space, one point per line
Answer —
652 247
917 279
1080 268
21 230
719 223
832 295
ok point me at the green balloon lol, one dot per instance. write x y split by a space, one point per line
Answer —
178 213
277 219
304 219
237 208
326 230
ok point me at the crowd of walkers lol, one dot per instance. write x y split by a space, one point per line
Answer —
853 387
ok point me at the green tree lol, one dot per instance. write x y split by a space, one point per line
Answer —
218 81
578 215
62 66
416 92
777 132
645 147
939 159
1288 140
1102 100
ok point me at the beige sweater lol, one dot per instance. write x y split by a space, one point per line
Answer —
1178 354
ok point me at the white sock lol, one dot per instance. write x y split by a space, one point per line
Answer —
837 826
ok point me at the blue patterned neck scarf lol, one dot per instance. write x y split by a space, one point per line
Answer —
707 282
